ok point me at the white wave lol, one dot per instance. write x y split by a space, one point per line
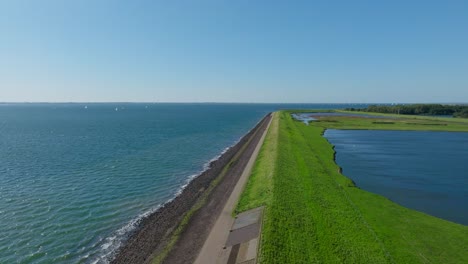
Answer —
114 242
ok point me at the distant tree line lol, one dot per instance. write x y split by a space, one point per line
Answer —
417 109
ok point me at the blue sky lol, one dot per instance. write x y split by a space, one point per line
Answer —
234 51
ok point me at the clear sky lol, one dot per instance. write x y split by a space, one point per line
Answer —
234 51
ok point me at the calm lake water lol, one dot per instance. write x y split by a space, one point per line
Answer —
425 171
75 178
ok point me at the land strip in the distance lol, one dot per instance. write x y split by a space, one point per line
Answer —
314 214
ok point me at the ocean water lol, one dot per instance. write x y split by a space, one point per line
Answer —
76 178
422 170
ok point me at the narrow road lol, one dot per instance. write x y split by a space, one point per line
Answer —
212 251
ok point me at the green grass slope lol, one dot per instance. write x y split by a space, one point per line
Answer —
316 215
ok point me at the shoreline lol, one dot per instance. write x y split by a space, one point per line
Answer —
132 226
214 248
155 231
404 203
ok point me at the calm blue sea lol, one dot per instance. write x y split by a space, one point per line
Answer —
422 170
75 178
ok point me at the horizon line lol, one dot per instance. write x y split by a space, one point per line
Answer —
208 102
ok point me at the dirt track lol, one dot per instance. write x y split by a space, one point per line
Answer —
155 230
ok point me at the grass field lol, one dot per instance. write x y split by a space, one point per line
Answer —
421 117
316 215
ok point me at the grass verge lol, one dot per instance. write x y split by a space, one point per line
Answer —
259 187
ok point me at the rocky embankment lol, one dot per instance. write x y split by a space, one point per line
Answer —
155 231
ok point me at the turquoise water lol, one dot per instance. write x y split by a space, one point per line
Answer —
422 170
75 178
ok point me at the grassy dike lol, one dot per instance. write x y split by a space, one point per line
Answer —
314 214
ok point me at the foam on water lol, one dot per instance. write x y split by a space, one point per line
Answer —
111 244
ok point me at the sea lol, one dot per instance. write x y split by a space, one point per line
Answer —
76 178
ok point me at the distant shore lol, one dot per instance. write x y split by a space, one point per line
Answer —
195 209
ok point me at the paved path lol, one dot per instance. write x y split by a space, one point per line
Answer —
212 251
